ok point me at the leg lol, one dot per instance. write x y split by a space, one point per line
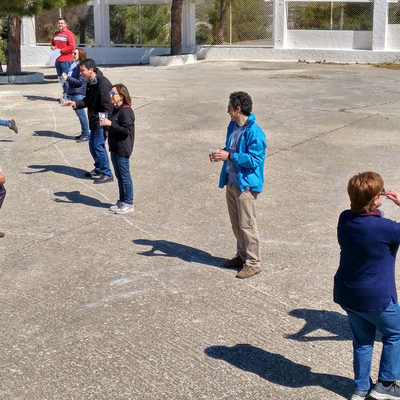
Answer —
92 149
125 177
363 344
248 225
61 67
81 114
2 194
232 195
100 152
4 123
117 172
388 324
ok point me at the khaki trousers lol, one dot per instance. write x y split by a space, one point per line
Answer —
242 212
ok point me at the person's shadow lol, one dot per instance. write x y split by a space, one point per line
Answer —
77 197
42 98
329 321
58 169
165 248
278 369
53 134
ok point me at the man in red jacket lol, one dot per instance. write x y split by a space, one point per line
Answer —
64 41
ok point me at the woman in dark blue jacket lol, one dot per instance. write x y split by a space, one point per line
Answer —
77 91
365 284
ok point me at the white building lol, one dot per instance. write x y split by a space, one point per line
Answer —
380 44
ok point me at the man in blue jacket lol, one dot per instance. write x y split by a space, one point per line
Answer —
243 175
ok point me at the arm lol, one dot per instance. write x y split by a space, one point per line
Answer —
394 196
254 149
76 81
2 179
124 125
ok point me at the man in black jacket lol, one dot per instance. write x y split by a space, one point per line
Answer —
97 100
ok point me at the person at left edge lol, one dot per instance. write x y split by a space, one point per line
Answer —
63 40
97 99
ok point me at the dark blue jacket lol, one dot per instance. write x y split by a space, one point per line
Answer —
365 280
76 82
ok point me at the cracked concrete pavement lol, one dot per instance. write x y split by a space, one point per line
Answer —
102 306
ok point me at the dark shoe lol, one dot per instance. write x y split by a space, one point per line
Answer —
359 395
1 234
234 263
104 179
247 271
385 391
13 126
82 138
92 174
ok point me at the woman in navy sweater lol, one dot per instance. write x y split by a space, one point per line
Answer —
77 91
120 129
365 286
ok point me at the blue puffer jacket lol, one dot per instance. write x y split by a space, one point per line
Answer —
249 157
77 83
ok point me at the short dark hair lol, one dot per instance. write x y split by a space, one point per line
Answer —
89 63
62 19
242 100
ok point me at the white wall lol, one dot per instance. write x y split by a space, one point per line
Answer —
393 37
303 39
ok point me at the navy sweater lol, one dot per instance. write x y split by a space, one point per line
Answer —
77 83
365 280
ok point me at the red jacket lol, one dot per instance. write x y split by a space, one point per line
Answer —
65 41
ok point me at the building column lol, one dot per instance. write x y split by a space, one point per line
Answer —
101 23
188 24
380 25
279 24
28 31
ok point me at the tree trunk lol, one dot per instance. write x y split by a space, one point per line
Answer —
221 25
176 27
14 45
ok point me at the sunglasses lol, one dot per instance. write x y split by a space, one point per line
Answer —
113 93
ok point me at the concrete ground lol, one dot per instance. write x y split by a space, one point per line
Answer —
102 306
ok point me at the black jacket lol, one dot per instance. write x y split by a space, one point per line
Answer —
121 133
97 99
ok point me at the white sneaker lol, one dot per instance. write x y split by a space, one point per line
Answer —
125 208
115 207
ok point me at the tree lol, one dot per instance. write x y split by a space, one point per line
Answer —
15 9
176 27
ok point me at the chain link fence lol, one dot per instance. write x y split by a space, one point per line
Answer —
347 16
245 22
80 21
394 13
140 24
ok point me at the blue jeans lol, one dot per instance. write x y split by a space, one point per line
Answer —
97 147
81 113
121 169
364 325
63 66
4 123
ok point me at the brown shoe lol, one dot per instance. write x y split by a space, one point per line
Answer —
234 263
247 271
1 234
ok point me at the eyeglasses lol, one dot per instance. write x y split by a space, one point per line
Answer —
113 93
383 193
